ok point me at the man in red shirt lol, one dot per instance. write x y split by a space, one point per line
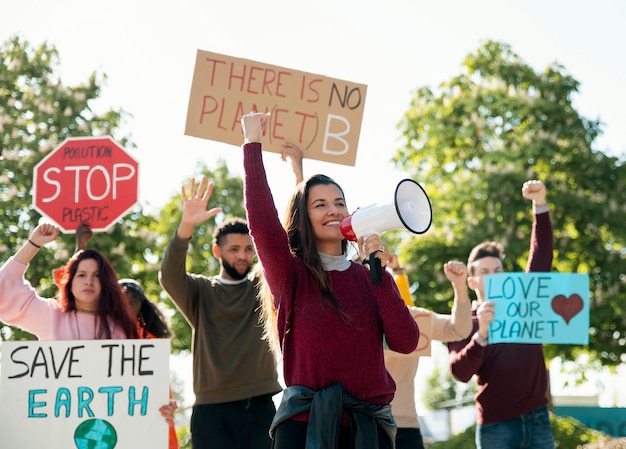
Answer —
511 403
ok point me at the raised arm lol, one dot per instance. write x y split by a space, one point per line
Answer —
293 152
173 275
457 325
43 234
83 235
194 206
541 239
269 236
20 305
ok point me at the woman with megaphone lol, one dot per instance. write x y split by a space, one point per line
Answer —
329 318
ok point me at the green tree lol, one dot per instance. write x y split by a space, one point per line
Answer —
473 141
440 387
38 112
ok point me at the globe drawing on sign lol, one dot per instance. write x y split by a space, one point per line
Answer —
95 434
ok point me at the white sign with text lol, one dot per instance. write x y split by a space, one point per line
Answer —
101 394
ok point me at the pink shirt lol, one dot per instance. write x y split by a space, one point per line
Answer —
22 307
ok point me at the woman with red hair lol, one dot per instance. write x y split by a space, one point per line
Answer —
90 304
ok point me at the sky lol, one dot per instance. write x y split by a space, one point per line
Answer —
148 50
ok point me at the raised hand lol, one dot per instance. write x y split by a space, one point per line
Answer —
455 271
293 152
83 235
253 125
194 206
536 191
44 233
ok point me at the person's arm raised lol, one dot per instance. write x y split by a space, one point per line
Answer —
194 206
293 152
83 235
43 234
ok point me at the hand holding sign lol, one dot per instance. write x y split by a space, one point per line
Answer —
485 315
253 125
321 115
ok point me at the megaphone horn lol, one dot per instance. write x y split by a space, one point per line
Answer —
409 209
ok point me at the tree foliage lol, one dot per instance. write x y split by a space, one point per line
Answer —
472 143
37 113
440 387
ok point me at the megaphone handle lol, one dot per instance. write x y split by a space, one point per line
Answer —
376 269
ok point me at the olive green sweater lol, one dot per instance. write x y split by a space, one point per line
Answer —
230 360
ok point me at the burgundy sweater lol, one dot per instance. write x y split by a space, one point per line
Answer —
512 378
319 349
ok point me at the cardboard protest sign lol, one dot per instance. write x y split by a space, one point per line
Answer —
101 394
321 115
539 307
424 322
425 325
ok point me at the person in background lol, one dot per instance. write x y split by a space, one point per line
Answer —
403 367
330 318
511 402
151 323
234 371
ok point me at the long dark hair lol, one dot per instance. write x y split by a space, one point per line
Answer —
113 308
151 320
302 244
300 232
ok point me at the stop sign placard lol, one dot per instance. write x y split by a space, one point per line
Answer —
86 179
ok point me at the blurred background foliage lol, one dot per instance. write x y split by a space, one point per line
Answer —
471 142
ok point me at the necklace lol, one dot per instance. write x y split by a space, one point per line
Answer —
78 326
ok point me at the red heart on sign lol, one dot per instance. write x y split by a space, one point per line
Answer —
568 308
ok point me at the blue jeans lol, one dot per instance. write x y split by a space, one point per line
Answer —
529 431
